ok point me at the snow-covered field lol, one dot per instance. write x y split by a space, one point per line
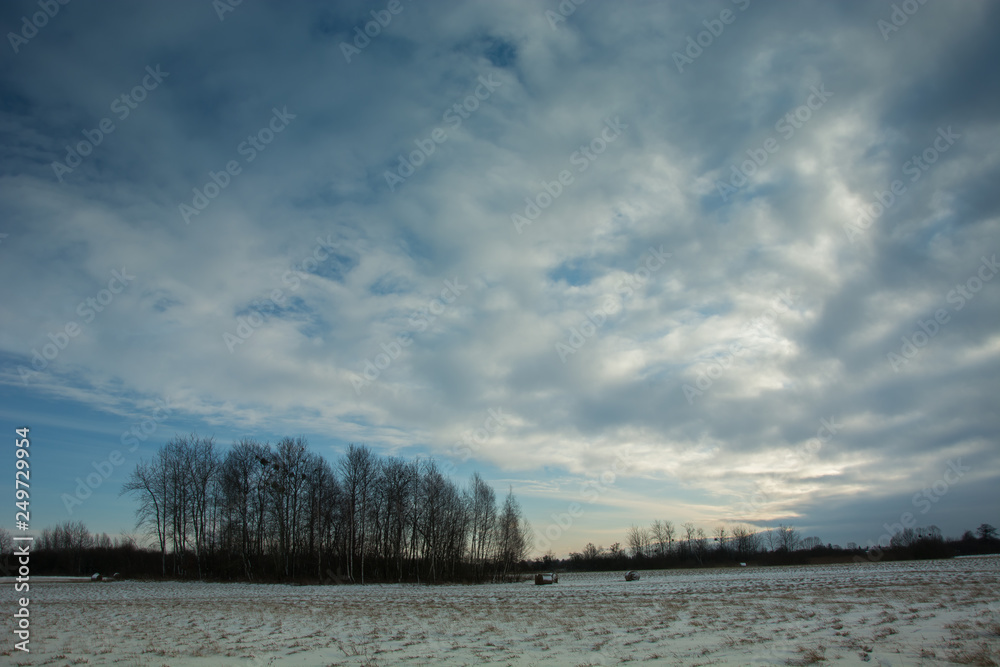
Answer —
912 613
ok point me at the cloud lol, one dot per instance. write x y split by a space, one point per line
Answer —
773 268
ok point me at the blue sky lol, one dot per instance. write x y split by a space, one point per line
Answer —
724 262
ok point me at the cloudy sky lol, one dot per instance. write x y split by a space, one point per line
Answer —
711 262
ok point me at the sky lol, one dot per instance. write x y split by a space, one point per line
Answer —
722 262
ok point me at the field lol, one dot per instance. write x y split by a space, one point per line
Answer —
904 613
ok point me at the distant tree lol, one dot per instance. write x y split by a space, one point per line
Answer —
126 540
701 544
483 522
689 533
658 535
286 512
811 542
721 535
773 540
903 538
512 539
357 468
668 533
149 483
637 540
787 538
590 552
986 531
245 478
746 542
200 476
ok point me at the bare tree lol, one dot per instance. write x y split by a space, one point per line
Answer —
512 543
903 538
358 469
689 533
668 533
291 466
721 535
245 478
285 511
787 538
432 501
148 483
400 485
702 544
813 542
636 540
6 541
746 542
201 465
483 523
660 537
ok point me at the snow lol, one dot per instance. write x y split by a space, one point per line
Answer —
904 613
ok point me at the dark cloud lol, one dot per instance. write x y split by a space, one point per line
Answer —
423 306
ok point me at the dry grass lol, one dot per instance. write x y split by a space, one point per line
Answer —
591 622
990 628
808 656
886 632
981 655
887 617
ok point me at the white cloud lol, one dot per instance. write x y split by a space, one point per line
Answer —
494 345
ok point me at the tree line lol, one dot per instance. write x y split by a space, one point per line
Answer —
664 544
282 512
